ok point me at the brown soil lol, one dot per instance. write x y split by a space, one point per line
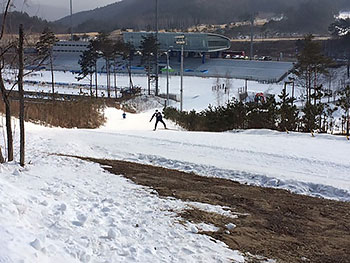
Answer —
272 223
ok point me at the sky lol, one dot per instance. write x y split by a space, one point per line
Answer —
53 9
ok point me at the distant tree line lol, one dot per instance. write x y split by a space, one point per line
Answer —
302 16
282 115
31 24
239 115
339 45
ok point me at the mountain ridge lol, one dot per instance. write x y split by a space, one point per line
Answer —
140 14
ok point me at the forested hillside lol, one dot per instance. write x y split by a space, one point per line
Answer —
31 24
301 16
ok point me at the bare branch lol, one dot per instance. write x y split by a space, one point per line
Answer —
4 18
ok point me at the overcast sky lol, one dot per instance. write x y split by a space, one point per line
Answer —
55 9
78 5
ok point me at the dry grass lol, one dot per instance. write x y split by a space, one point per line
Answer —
84 113
271 223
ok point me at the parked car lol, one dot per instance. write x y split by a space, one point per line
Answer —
265 58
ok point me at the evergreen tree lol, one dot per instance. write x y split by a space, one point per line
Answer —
87 64
311 65
340 28
44 48
127 50
240 112
262 115
344 103
149 47
311 118
105 48
328 122
287 112
317 95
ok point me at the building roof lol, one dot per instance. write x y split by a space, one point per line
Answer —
195 42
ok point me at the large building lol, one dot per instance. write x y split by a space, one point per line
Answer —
198 47
70 47
195 42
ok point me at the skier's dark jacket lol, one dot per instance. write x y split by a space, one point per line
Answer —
158 116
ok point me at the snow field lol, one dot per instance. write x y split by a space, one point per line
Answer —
60 209
66 210
301 163
198 93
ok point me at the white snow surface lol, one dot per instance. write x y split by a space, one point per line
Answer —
197 91
61 209
317 166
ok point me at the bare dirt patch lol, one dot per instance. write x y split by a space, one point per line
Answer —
272 223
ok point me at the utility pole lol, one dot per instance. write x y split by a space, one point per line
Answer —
71 20
167 78
251 36
181 40
156 55
21 95
182 78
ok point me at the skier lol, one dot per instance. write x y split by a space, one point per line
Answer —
124 115
159 118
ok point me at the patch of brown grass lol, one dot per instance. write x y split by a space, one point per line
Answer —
83 113
271 223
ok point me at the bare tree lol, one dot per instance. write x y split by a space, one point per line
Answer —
218 90
44 48
228 86
4 93
20 89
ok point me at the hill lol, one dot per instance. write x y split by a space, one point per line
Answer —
181 14
31 24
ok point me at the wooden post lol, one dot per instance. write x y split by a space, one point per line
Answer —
21 97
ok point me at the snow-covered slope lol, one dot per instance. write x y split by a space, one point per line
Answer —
60 209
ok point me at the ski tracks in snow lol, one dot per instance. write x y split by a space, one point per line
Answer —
76 209
310 176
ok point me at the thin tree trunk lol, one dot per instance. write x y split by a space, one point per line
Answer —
96 79
52 78
130 79
149 76
309 86
115 78
91 94
8 119
107 73
2 160
348 123
21 95
9 133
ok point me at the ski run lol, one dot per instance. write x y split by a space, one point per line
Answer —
62 209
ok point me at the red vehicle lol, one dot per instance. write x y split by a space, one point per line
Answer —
234 54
